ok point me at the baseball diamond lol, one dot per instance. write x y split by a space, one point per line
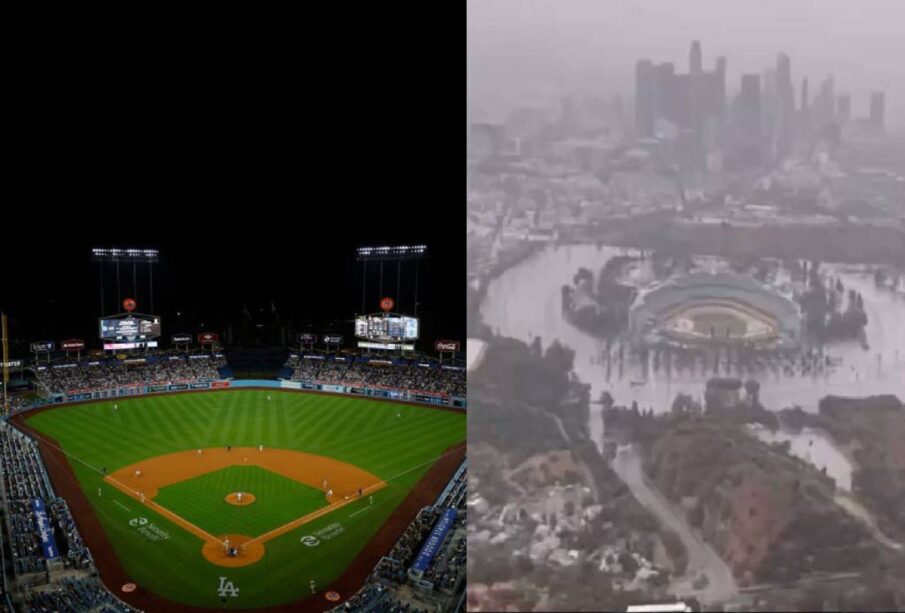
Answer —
306 466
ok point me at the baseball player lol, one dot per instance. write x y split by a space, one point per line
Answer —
98 492
329 493
261 448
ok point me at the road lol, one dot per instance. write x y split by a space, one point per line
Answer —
702 558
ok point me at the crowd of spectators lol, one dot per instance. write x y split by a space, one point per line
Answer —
410 377
61 378
445 572
75 594
24 481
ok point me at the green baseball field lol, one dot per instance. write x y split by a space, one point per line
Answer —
305 484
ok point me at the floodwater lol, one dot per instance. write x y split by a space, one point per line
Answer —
813 446
525 301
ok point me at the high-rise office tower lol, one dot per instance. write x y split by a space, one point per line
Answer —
785 93
844 108
645 82
750 108
877 110
721 87
804 95
696 61
826 111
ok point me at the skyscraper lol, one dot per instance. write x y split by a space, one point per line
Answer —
844 108
750 108
877 110
644 98
785 93
696 61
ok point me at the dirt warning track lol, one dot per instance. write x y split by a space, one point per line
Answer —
340 482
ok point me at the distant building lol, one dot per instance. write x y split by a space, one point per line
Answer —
644 99
844 108
750 108
877 110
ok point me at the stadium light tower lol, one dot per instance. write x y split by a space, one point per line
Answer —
126 256
399 254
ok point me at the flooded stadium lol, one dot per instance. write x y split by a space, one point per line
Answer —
519 305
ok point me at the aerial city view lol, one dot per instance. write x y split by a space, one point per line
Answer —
686 289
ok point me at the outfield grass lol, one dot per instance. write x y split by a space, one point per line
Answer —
278 500
397 443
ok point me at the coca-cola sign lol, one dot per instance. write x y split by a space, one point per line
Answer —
447 346
72 344
208 337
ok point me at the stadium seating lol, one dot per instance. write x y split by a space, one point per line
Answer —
392 588
70 582
62 378
382 373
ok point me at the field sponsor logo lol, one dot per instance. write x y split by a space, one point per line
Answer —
198 386
149 530
220 384
325 534
227 588
310 541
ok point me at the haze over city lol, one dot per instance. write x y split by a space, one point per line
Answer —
537 50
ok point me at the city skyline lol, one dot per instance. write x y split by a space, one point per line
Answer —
540 51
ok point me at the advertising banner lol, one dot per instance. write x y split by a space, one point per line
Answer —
74 397
447 346
178 387
72 344
208 337
433 542
48 543
294 385
42 346
200 386
339 389
158 388
181 339
309 386
333 339
307 338
220 384
358 390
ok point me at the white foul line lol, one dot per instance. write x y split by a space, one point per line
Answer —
122 505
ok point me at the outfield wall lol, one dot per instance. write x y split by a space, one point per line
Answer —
142 390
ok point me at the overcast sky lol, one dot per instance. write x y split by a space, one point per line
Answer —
530 50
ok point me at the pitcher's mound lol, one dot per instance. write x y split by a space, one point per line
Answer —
216 552
234 499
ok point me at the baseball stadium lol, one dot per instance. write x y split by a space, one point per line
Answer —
715 309
264 465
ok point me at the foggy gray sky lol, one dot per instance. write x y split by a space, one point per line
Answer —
534 50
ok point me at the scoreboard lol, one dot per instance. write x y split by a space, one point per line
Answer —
131 328
391 328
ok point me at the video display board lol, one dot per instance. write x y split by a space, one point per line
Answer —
130 328
386 328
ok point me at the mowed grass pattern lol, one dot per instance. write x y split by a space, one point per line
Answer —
395 442
278 500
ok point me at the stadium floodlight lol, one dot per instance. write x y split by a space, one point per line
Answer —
398 252
124 255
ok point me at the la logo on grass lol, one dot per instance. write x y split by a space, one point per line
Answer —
227 588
